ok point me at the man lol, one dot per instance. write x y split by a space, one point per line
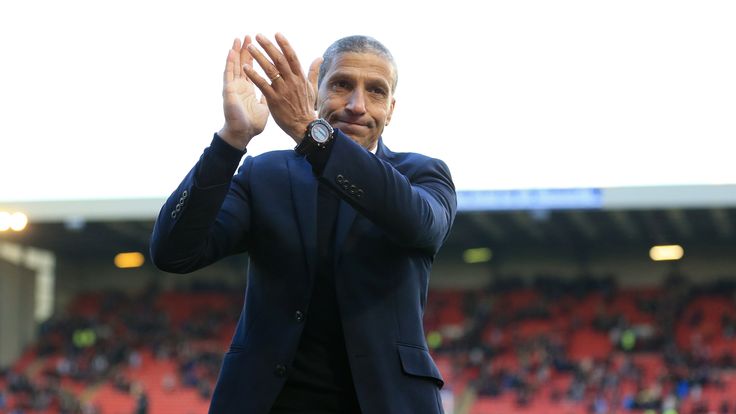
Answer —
341 234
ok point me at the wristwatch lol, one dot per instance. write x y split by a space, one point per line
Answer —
319 134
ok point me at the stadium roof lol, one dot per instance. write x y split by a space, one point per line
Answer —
661 197
575 230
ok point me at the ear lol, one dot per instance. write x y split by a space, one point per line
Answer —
390 111
312 77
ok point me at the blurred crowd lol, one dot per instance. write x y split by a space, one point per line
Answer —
107 342
608 383
87 349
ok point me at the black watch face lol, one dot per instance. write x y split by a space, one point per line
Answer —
320 133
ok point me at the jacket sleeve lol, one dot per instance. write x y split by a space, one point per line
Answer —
208 216
412 200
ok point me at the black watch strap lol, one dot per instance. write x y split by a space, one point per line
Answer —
305 147
318 136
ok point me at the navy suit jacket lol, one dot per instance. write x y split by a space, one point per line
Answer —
395 212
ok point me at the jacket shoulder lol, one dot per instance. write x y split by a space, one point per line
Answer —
270 158
408 162
273 155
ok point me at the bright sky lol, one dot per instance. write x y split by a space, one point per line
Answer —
117 99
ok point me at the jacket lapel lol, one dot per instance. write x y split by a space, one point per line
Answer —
383 152
304 196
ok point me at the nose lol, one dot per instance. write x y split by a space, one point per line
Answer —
356 101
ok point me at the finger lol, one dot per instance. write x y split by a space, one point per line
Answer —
261 84
227 76
268 68
289 55
236 58
278 59
245 56
313 75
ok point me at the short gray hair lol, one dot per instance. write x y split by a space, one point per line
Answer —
356 44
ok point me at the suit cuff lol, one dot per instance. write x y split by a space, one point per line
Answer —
218 163
319 157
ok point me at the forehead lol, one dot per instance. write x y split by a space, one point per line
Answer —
367 65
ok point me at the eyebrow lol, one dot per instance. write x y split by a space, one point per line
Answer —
371 80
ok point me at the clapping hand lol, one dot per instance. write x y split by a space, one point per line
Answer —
290 96
245 114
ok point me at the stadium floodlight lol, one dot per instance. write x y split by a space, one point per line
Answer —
477 255
4 221
666 252
129 260
18 221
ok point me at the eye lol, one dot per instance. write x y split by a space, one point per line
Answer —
340 84
378 91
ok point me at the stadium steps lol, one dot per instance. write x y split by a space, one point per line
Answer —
706 329
589 343
87 304
181 307
150 376
111 401
26 360
508 404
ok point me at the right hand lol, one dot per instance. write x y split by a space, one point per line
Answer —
245 115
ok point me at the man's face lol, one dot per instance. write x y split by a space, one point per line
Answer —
356 96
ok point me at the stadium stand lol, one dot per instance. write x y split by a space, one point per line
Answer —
552 346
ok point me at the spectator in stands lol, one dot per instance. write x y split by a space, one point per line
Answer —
341 234
141 402
168 383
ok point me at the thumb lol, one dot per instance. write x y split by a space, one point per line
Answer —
314 74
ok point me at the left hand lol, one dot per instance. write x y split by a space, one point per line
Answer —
290 96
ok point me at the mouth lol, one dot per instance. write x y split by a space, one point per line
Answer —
351 123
